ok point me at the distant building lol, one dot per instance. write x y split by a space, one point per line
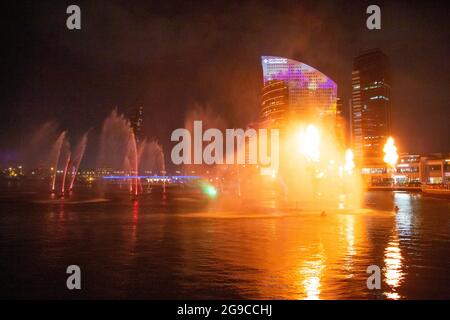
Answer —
370 106
137 121
294 90
436 168
408 169
429 169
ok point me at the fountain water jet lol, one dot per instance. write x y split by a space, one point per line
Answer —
65 173
58 145
78 155
120 151
133 160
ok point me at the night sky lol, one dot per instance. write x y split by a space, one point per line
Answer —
174 55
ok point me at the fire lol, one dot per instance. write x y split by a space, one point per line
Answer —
309 140
390 152
349 163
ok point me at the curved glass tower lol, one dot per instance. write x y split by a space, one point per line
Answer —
274 102
309 93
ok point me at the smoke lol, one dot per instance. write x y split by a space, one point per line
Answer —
36 151
210 119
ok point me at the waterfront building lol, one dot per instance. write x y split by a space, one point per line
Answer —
408 169
436 169
411 169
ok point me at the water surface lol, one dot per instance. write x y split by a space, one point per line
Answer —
176 248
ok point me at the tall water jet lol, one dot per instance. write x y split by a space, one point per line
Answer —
163 167
151 158
57 147
78 156
133 159
158 163
119 149
114 142
66 167
123 153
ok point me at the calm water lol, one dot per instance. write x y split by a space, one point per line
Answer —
178 248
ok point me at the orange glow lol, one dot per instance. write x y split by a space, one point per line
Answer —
315 167
349 163
309 142
312 272
390 152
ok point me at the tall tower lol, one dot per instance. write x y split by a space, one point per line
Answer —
137 122
370 105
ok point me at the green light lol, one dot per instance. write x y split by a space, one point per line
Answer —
210 191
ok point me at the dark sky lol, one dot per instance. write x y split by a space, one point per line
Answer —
171 55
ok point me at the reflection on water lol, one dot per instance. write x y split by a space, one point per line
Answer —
166 249
403 220
350 239
311 271
393 259
393 267
134 225
393 254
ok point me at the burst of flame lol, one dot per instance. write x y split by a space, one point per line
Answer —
349 163
390 152
309 141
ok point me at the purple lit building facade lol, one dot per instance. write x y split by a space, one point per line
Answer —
294 90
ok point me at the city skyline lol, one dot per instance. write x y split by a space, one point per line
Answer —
309 95
91 72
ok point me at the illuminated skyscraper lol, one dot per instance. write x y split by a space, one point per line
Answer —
295 90
371 105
